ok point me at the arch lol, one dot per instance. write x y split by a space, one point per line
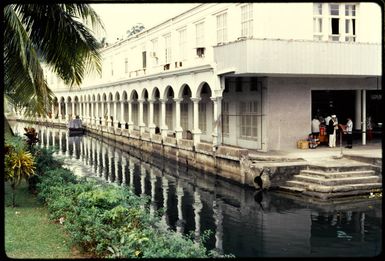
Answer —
134 95
124 95
110 97
93 97
104 97
98 97
168 92
144 94
117 96
155 94
185 90
205 88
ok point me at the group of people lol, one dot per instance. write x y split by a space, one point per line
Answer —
332 125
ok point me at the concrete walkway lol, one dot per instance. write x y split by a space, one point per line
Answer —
323 152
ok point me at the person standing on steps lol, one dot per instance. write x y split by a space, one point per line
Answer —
315 124
332 127
349 133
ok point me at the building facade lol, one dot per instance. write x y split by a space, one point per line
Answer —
248 75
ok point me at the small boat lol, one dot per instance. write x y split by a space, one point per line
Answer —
75 127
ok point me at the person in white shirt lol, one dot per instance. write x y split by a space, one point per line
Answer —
349 133
315 123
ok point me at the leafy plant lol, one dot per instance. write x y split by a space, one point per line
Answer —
19 164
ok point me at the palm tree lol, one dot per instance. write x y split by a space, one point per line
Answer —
54 34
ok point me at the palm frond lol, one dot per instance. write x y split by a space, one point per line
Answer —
67 45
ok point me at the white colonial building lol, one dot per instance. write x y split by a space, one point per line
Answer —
248 75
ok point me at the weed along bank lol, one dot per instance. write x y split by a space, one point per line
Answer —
219 84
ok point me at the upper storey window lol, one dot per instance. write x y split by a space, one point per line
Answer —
167 48
200 34
222 28
334 21
350 23
247 20
182 44
317 21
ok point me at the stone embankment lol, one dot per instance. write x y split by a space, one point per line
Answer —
324 178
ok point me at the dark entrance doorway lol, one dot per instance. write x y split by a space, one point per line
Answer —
340 103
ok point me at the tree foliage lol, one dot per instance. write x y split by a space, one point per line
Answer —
54 34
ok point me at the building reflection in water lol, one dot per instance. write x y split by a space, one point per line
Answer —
193 202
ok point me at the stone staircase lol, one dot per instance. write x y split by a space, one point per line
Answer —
334 180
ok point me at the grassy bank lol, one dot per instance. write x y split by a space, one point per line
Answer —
28 231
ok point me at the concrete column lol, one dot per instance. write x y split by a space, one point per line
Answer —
73 109
92 116
115 115
96 113
67 146
66 108
142 126
122 122
108 114
103 119
60 112
363 117
178 128
196 131
164 128
130 123
217 118
60 143
151 124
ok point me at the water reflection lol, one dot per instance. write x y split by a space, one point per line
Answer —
243 222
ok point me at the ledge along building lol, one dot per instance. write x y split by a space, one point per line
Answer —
209 85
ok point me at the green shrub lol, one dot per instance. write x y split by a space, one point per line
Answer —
110 221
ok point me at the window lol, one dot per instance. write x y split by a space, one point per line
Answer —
169 115
200 34
248 118
334 22
317 21
350 23
126 65
225 117
144 59
167 48
202 116
154 50
184 115
182 44
222 28
112 68
337 24
247 20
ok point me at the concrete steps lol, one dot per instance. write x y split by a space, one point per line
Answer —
327 181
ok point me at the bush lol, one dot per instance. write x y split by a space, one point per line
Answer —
44 162
110 221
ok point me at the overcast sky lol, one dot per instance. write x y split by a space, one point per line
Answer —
118 18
